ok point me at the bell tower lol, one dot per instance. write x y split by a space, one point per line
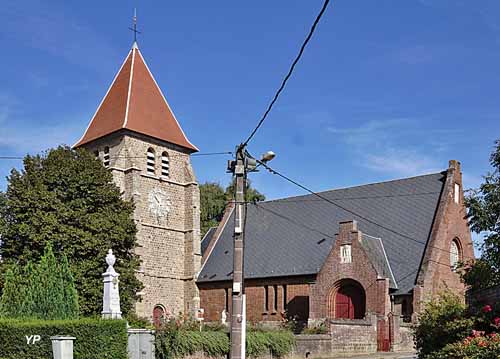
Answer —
136 135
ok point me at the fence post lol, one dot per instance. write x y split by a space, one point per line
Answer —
62 347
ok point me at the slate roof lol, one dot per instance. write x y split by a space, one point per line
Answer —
293 236
206 239
374 248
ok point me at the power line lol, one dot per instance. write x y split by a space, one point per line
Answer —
286 200
290 71
132 157
300 224
349 210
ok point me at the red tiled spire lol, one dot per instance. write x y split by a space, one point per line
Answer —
135 102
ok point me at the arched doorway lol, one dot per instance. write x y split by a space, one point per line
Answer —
347 300
159 315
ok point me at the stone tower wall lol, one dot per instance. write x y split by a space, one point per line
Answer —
169 245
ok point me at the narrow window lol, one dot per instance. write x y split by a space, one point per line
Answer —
457 193
345 253
106 157
96 154
275 306
266 298
165 164
150 161
285 304
455 255
226 299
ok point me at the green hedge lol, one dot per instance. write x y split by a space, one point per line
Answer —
177 343
95 338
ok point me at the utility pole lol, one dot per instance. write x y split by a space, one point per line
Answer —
243 164
238 320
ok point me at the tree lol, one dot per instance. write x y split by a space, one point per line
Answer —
67 197
251 194
43 291
212 204
443 320
213 200
484 216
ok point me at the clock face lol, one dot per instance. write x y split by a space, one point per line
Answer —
159 204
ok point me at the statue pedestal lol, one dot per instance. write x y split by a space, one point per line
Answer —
111 299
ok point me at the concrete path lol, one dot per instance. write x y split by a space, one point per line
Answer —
379 356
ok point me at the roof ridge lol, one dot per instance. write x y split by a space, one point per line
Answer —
165 100
103 99
356 186
134 48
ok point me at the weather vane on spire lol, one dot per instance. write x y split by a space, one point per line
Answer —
134 29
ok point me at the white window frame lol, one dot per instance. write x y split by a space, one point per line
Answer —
456 193
454 254
346 253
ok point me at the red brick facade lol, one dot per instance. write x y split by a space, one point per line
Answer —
360 270
313 298
436 272
292 297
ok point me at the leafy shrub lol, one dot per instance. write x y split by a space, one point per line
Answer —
44 290
175 339
95 338
134 321
442 321
317 329
479 347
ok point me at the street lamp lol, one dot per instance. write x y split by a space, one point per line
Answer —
268 156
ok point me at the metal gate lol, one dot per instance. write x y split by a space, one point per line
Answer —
141 344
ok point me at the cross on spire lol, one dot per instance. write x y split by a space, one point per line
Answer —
134 28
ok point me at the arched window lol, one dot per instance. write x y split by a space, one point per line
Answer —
105 158
165 164
96 154
455 254
159 315
150 164
348 300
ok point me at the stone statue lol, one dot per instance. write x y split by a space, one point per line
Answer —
223 317
111 299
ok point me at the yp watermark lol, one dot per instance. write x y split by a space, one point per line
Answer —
32 339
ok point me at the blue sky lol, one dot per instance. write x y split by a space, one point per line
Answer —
386 89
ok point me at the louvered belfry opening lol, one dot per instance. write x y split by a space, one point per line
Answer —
165 165
106 157
150 164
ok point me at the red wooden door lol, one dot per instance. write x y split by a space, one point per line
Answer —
343 306
349 303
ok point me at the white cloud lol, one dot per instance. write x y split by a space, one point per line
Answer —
401 163
20 136
398 147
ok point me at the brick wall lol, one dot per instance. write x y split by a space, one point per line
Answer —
360 270
296 303
482 297
354 336
436 272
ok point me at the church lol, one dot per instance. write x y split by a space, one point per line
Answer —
361 259
136 135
